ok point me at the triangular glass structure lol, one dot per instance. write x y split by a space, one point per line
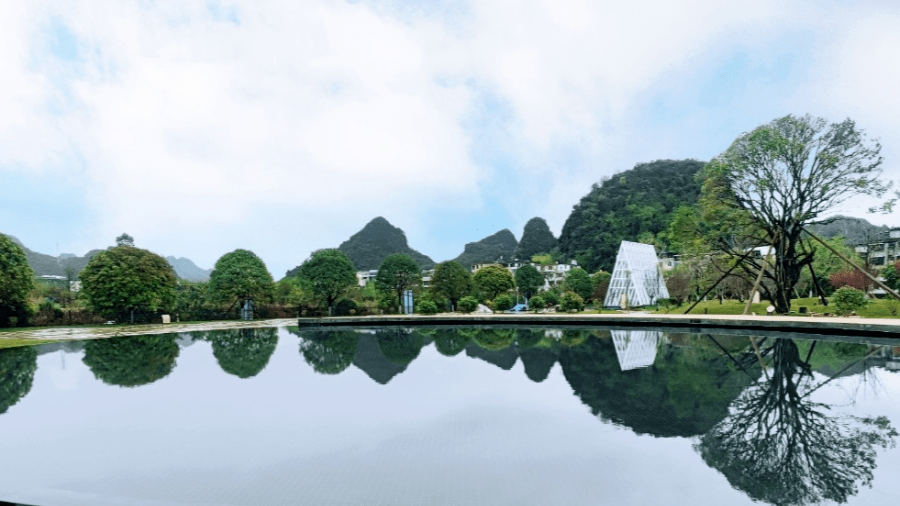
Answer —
637 276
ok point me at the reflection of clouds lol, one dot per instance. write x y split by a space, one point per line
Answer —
64 373
635 348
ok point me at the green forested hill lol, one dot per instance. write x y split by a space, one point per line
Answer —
46 265
492 248
378 239
635 205
536 238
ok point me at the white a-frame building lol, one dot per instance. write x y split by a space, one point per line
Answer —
637 276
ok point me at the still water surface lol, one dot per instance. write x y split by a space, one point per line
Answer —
448 416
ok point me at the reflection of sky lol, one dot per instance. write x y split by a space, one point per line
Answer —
446 431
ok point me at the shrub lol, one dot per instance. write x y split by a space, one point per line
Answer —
467 304
848 299
551 297
504 302
852 278
426 307
571 300
537 302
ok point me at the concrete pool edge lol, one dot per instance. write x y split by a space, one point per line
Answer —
888 328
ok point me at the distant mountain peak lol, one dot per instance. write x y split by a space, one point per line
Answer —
187 269
375 241
498 246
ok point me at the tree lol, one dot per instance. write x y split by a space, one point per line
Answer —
451 280
240 275
579 281
124 279
785 175
398 273
891 275
329 274
493 280
850 277
529 280
125 240
536 238
16 280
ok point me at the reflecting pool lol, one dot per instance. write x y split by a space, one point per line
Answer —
447 416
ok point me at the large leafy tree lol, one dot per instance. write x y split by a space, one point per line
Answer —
131 361
784 176
329 274
529 280
16 280
536 238
451 280
125 279
579 281
398 272
240 275
493 280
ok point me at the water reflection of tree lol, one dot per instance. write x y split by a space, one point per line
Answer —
17 366
450 342
400 346
131 361
782 448
243 352
329 352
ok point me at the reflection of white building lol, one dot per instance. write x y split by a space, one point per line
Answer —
635 348
637 276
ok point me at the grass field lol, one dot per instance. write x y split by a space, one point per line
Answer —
878 308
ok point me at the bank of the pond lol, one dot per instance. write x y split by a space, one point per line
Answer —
880 327
104 331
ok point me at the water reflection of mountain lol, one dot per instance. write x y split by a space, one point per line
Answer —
685 392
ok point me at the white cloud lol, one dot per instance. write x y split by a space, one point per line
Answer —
203 130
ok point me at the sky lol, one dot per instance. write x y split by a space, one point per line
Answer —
282 127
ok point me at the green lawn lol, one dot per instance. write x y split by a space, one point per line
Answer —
878 308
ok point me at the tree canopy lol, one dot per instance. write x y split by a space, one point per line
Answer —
529 280
329 274
398 272
580 282
241 275
451 280
125 278
536 238
492 280
16 280
784 176
635 205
